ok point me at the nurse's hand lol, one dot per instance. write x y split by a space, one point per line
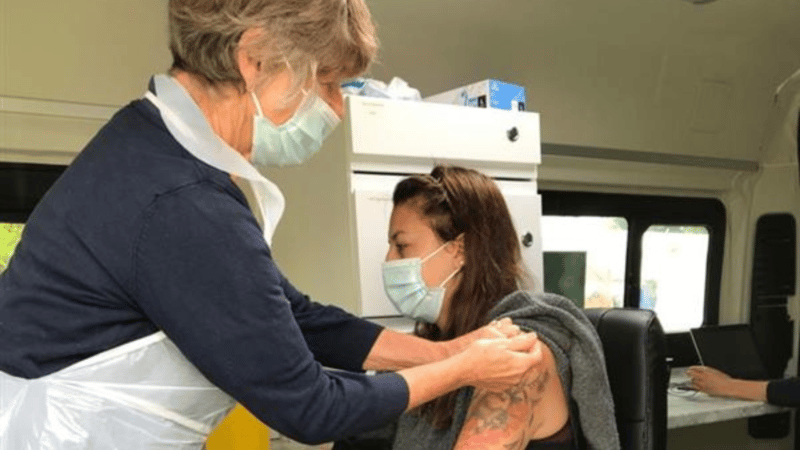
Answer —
397 351
503 328
495 364
501 363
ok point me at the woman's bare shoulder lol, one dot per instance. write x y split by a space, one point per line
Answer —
510 419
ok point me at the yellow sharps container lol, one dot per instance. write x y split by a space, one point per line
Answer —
239 431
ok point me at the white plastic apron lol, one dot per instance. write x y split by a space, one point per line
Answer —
142 395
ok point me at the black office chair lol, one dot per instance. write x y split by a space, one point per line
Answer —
633 343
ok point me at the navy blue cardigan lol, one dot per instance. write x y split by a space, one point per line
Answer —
138 236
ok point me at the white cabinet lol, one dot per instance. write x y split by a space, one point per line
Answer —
525 205
400 130
372 195
333 236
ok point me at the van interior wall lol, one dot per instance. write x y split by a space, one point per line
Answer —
66 67
774 189
670 76
777 186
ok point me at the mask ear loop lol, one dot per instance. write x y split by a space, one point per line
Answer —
451 275
257 103
306 92
435 252
440 248
422 261
253 95
460 266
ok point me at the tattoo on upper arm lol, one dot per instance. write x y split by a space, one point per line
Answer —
490 410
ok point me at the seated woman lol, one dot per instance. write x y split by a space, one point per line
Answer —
454 264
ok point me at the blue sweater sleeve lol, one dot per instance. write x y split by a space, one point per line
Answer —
324 327
785 392
204 275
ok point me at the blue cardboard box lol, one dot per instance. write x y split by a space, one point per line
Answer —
484 94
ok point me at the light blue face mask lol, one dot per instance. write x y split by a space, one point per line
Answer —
295 141
405 287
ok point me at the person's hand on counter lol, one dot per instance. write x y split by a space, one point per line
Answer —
719 384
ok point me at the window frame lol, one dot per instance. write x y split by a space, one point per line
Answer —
22 185
641 212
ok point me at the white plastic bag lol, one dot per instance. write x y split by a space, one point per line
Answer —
368 87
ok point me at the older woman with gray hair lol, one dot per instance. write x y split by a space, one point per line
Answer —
143 300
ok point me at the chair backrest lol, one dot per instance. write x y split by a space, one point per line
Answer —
633 343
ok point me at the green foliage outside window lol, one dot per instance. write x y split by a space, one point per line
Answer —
9 236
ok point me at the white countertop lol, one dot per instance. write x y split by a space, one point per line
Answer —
688 408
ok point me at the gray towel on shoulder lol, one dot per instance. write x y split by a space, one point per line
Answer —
578 353
581 365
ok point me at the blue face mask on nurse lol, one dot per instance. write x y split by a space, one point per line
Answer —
296 140
291 121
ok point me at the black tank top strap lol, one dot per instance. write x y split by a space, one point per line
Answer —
560 440
569 437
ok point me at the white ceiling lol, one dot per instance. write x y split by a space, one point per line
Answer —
654 75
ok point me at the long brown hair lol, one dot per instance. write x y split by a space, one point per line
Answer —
457 201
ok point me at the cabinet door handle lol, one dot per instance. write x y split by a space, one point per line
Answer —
527 239
513 134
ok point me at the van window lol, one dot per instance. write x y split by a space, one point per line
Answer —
657 252
673 274
599 243
21 187
9 237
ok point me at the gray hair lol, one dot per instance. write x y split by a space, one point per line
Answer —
313 37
